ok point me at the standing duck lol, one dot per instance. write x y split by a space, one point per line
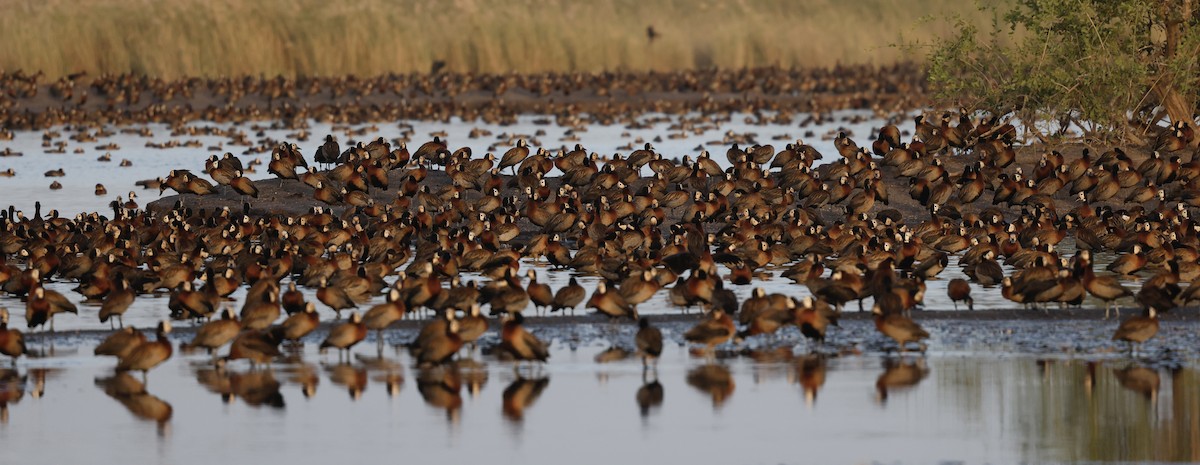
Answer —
649 341
216 333
298 324
120 343
12 342
568 297
43 304
117 303
1138 329
520 344
148 354
346 335
899 327
715 330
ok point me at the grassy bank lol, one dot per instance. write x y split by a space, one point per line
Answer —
227 37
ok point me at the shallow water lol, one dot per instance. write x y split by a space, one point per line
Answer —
777 407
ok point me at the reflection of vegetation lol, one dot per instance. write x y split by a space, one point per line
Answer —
1093 412
231 37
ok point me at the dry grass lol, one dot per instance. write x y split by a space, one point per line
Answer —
174 38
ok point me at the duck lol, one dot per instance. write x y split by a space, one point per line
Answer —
260 313
257 346
440 347
344 336
214 334
611 303
1138 329
717 329
813 317
519 344
120 342
649 341
43 304
116 303
960 290
12 342
1106 288
899 327
148 354
539 293
297 325
383 315
335 297
568 297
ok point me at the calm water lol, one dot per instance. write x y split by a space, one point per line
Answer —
772 408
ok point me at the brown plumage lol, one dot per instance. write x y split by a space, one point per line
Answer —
717 329
116 303
12 342
610 303
473 325
335 297
298 324
899 327
1106 288
43 304
256 346
960 290
260 314
1138 329
346 335
812 320
244 186
292 300
216 333
649 341
383 315
149 354
441 347
539 293
568 297
120 342
519 344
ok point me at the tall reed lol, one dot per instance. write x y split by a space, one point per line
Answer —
173 38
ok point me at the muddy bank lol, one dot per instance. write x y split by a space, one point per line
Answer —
28 103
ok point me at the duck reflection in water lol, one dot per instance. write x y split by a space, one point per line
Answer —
650 395
255 387
810 374
12 389
305 375
610 355
714 380
354 378
387 371
899 374
132 394
521 394
440 387
1141 380
474 375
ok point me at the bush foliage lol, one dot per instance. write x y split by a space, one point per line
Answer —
1113 68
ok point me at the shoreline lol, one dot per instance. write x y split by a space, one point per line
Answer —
30 104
